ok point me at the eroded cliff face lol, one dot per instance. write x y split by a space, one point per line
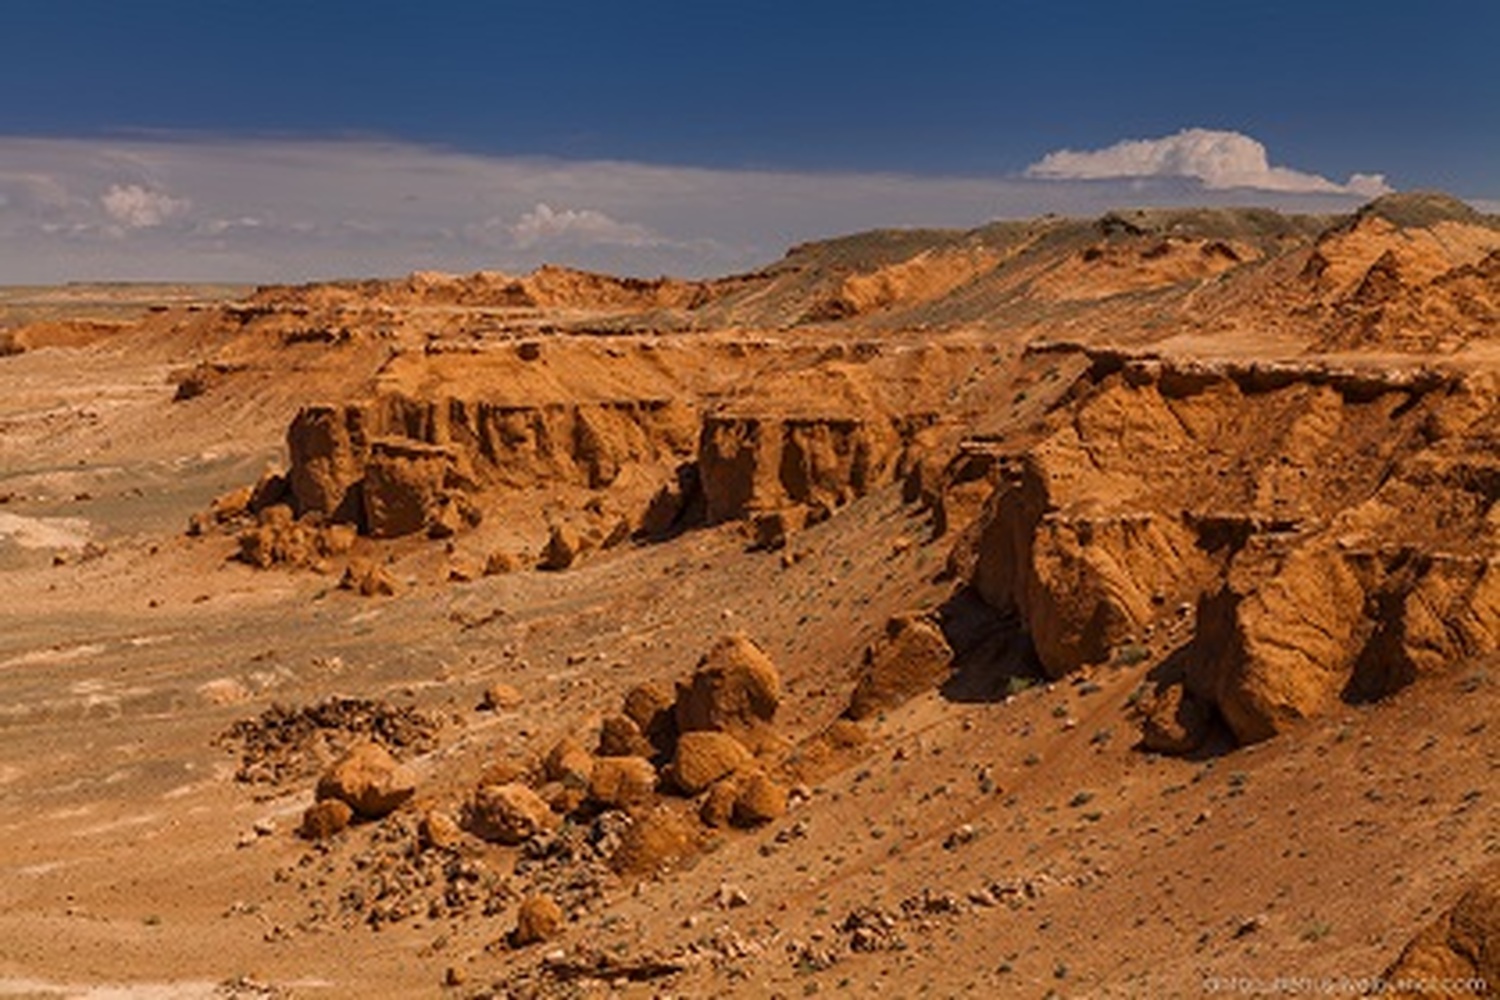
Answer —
391 464
752 462
1328 535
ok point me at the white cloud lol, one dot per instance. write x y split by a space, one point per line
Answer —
276 210
1220 160
137 207
543 224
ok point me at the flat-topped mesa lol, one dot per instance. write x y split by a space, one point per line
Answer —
1333 530
377 463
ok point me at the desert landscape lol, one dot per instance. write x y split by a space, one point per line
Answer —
1079 607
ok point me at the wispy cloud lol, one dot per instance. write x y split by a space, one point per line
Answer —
1220 160
197 208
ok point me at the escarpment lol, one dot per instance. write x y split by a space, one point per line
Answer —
1288 539
1255 451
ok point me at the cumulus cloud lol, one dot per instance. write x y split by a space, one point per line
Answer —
1220 160
136 207
584 225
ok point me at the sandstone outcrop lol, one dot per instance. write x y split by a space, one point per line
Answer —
1458 951
759 462
1330 528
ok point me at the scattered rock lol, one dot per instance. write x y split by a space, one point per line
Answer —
224 691
731 897
845 734
500 562
564 548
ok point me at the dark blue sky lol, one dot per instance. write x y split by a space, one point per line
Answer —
978 89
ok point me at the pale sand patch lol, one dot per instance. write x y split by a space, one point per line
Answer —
44 532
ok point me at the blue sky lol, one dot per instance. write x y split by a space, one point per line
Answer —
285 139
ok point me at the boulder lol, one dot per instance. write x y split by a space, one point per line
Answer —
323 819
734 689
539 919
500 697
619 736
439 830
912 657
563 799
718 805
704 757
369 780
653 842
568 763
759 800
651 709
367 578
503 772
1283 648
770 530
509 814
622 782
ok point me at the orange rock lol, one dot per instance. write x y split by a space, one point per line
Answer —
369 780
704 757
539 919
